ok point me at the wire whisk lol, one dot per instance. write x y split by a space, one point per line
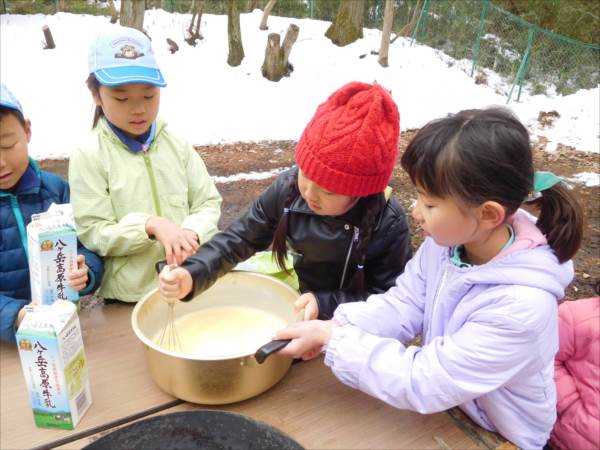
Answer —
169 338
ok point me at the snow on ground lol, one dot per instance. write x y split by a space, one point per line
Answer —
207 101
590 179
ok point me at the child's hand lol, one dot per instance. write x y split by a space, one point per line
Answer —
178 243
174 284
192 238
308 301
20 317
78 278
307 338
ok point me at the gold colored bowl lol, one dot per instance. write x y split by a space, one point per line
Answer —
216 380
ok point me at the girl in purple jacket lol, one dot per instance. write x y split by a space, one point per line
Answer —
481 291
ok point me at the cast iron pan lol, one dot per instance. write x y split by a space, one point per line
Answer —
201 429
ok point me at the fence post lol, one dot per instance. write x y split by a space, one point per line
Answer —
422 13
478 41
523 66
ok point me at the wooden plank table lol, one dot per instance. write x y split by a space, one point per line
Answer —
309 404
315 409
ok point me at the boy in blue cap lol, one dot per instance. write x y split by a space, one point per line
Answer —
26 190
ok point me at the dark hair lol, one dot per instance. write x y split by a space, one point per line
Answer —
279 245
485 154
94 86
371 208
5 111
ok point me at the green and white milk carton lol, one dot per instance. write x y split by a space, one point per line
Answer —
53 360
52 245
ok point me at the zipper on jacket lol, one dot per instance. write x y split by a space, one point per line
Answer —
435 302
352 242
155 198
14 204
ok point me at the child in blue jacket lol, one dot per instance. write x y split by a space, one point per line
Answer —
27 190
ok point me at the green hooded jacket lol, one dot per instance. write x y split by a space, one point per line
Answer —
115 191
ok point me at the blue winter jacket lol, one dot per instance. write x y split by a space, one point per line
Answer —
34 193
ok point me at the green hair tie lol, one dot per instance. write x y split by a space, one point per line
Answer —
541 182
544 180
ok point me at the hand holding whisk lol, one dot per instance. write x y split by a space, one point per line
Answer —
169 338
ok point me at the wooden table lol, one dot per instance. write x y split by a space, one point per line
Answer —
309 404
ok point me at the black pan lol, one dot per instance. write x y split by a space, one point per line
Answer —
201 429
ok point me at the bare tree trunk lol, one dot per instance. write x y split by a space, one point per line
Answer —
252 5
388 20
113 11
192 7
276 65
410 26
173 47
348 23
236 49
48 36
265 16
194 34
132 14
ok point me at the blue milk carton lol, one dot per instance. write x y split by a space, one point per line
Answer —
52 243
53 360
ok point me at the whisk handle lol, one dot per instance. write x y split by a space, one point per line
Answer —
160 265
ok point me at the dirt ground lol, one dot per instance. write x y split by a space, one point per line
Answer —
231 159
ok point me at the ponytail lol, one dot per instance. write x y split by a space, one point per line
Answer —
371 211
279 245
94 86
561 220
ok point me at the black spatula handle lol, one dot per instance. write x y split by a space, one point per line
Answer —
269 348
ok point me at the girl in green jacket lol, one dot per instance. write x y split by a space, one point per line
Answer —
139 193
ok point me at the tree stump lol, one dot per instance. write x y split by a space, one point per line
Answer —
276 64
173 47
49 39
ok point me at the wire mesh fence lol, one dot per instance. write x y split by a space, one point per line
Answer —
478 31
523 53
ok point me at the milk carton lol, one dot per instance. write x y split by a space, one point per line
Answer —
53 360
52 243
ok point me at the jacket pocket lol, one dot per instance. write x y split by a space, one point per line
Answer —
178 207
178 200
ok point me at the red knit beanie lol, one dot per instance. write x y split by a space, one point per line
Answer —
351 144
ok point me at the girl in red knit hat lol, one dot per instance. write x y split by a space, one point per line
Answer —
348 238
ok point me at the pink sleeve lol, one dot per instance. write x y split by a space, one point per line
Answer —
566 391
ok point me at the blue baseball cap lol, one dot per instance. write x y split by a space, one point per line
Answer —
120 55
8 100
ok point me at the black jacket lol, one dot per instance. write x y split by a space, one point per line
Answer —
321 246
